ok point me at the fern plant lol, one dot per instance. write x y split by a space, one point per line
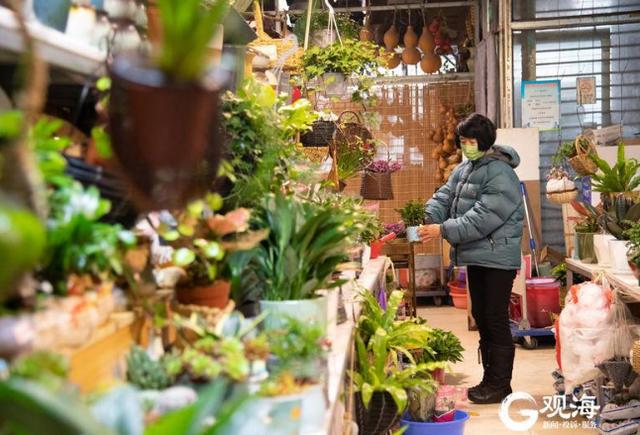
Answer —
622 177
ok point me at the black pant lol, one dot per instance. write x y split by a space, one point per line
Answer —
490 291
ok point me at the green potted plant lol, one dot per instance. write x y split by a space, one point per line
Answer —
163 110
332 65
413 216
633 249
586 229
202 241
300 349
306 243
261 128
620 180
82 252
617 221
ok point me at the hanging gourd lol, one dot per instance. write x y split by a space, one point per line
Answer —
425 43
430 62
366 34
394 60
391 36
410 55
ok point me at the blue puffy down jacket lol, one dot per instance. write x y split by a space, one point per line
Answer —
481 211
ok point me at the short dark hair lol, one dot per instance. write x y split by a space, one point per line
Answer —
477 127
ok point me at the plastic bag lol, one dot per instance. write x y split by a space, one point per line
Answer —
587 332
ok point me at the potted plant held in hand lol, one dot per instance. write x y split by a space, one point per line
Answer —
306 243
413 215
163 113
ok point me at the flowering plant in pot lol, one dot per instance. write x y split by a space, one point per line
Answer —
306 243
413 215
202 241
376 180
163 110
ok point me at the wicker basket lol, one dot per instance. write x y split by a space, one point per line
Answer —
212 316
376 186
289 54
321 134
582 163
562 197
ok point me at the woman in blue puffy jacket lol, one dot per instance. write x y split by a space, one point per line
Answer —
480 212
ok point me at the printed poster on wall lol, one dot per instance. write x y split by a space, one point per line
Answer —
585 90
541 104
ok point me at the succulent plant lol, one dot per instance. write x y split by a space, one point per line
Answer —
146 373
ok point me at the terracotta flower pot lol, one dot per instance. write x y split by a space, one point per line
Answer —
215 295
165 136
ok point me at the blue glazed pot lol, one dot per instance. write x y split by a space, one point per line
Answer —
412 234
52 13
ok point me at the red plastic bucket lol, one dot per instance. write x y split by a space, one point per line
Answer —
543 298
458 292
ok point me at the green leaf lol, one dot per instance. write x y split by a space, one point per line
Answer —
102 142
213 250
367 391
10 124
399 396
214 201
183 257
186 229
103 84
170 235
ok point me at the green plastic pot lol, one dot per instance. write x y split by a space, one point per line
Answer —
586 250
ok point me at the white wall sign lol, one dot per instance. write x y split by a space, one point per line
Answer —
585 90
541 104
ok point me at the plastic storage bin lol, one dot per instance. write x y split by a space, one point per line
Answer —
455 427
458 292
543 297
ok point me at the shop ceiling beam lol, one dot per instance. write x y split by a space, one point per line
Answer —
612 18
400 7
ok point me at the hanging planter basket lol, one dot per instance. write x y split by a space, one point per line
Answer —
581 162
320 135
376 186
165 136
562 197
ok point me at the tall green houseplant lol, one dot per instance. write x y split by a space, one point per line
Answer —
622 178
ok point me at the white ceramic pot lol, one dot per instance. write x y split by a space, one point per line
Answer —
618 256
601 246
412 234
334 84
305 310
323 38
332 310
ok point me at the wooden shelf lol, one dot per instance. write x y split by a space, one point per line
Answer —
53 46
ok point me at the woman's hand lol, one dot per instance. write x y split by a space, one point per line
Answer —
429 232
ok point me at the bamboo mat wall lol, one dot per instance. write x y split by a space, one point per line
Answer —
408 109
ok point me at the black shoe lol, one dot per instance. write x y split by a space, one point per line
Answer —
483 356
498 385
